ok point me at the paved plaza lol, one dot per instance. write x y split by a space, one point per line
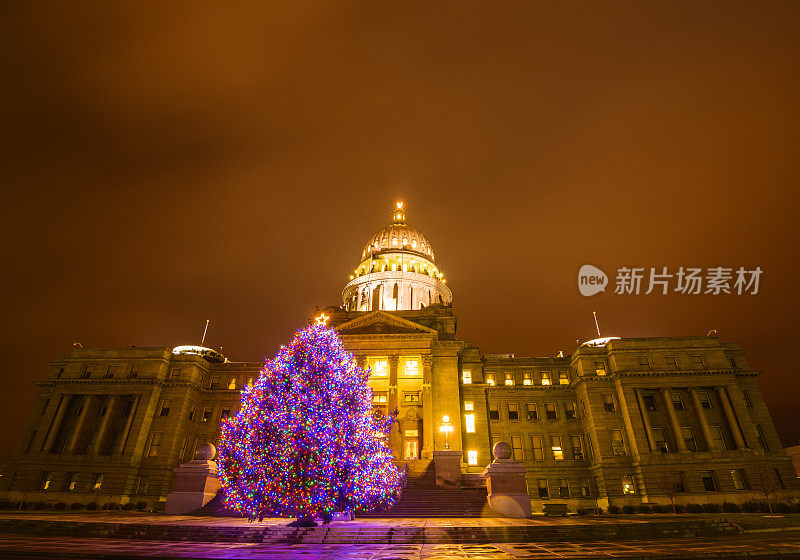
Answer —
766 545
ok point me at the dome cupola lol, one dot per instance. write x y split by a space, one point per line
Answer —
397 271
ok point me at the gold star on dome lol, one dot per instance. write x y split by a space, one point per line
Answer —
322 320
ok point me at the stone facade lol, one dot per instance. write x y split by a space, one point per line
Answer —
617 421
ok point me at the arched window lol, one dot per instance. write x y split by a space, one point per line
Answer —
396 291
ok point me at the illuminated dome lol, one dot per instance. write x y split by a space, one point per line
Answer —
208 354
397 271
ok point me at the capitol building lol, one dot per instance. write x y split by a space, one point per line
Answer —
617 421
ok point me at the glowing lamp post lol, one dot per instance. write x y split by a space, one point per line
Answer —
446 427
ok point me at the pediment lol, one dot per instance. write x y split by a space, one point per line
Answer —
380 322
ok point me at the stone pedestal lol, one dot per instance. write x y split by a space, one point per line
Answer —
448 468
505 484
196 483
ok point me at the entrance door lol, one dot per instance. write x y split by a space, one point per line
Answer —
412 449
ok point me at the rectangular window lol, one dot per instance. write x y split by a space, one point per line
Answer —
469 423
698 361
509 379
133 373
709 484
466 377
644 361
739 479
688 437
192 412
550 411
127 408
380 367
469 405
411 397
533 414
526 378
250 381
545 378
538 450
671 361
589 446
544 490
660 440
747 401
154 446
103 408
600 368
705 400
494 411
617 443
175 374
513 411
87 372
586 488
490 379
677 400
224 414
140 487
563 488
206 415
472 457
676 478
71 482
184 447
215 381
563 378
571 409
412 368
608 403
555 446
44 483
111 371
231 383
97 482
577 447
762 439
628 485
650 403
164 408
716 437
379 398
516 446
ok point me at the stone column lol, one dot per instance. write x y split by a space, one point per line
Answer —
54 427
701 415
673 419
393 400
626 418
120 447
101 430
76 433
648 427
427 408
731 417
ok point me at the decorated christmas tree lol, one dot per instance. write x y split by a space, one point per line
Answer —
305 442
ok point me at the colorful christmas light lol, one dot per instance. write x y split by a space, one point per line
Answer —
305 442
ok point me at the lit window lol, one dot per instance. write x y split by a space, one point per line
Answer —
412 368
466 377
545 378
413 243
509 379
555 445
469 422
526 378
490 379
411 397
380 368
394 242
472 457
600 368
97 482
563 378
533 414
71 482
206 415
46 480
379 398
232 383
469 405
628 486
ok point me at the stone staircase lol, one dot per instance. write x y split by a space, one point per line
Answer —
422 498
